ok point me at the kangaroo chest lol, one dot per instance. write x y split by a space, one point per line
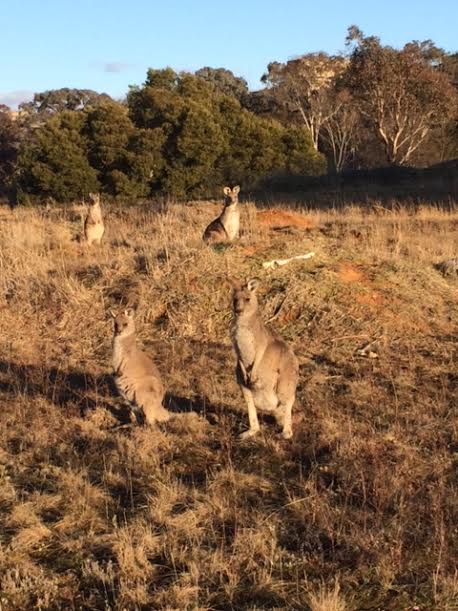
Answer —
122 355
94 217
245 344
231 221
118 357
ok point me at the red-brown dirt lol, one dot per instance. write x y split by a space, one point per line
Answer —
283 218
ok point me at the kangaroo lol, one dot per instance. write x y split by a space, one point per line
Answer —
226 226
449 267
93 225
136 376
267 369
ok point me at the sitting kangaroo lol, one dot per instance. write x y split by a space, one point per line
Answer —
226 226
136 376
267 369
93 225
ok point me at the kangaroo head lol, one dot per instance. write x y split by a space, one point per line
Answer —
231 196
244 300
94 199
123 323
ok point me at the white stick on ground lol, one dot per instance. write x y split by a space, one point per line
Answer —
277 262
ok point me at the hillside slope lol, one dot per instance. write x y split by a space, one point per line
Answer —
358 511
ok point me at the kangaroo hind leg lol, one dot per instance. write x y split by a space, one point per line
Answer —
252 414
283 416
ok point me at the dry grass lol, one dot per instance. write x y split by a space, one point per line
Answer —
357 512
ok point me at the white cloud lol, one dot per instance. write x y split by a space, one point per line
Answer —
116 66
14 98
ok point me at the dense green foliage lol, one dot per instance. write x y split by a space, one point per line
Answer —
225 81
9 137
124 156
53 159
209 138
178 135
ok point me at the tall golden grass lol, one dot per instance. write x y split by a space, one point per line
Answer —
358 511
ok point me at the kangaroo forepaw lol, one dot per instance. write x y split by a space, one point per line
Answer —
248 434
253 381
287 433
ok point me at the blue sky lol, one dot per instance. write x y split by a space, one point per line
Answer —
106 46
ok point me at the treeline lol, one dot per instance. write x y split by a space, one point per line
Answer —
183 135
177 135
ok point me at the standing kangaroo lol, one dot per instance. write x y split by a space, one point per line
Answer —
267 369
136 376
226 226
93 225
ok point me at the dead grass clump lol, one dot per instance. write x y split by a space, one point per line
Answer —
327 599
29 587
136 547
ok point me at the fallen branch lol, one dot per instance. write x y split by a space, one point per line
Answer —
367 351
277 262
278 309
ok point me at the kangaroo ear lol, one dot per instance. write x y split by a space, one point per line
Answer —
253 284
233 282
129 312
236 190
227 190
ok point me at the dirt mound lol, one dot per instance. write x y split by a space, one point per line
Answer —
277 218
349 273
252 250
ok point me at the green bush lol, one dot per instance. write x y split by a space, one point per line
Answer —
210 139
126 158
178 135
53 160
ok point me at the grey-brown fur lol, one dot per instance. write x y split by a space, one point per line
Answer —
93 225
448 267
267 369
226 227
136 376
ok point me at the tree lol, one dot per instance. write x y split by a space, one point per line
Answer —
224 81
301 157
265 103
254 146
399 92
304 87
259 147
9 142
209 138
447 136
182 107
57 100
198 142
340 132
125 157
53 159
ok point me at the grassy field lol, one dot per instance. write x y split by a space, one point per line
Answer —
357 512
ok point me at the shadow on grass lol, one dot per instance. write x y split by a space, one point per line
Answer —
388 186
200 405
79 392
